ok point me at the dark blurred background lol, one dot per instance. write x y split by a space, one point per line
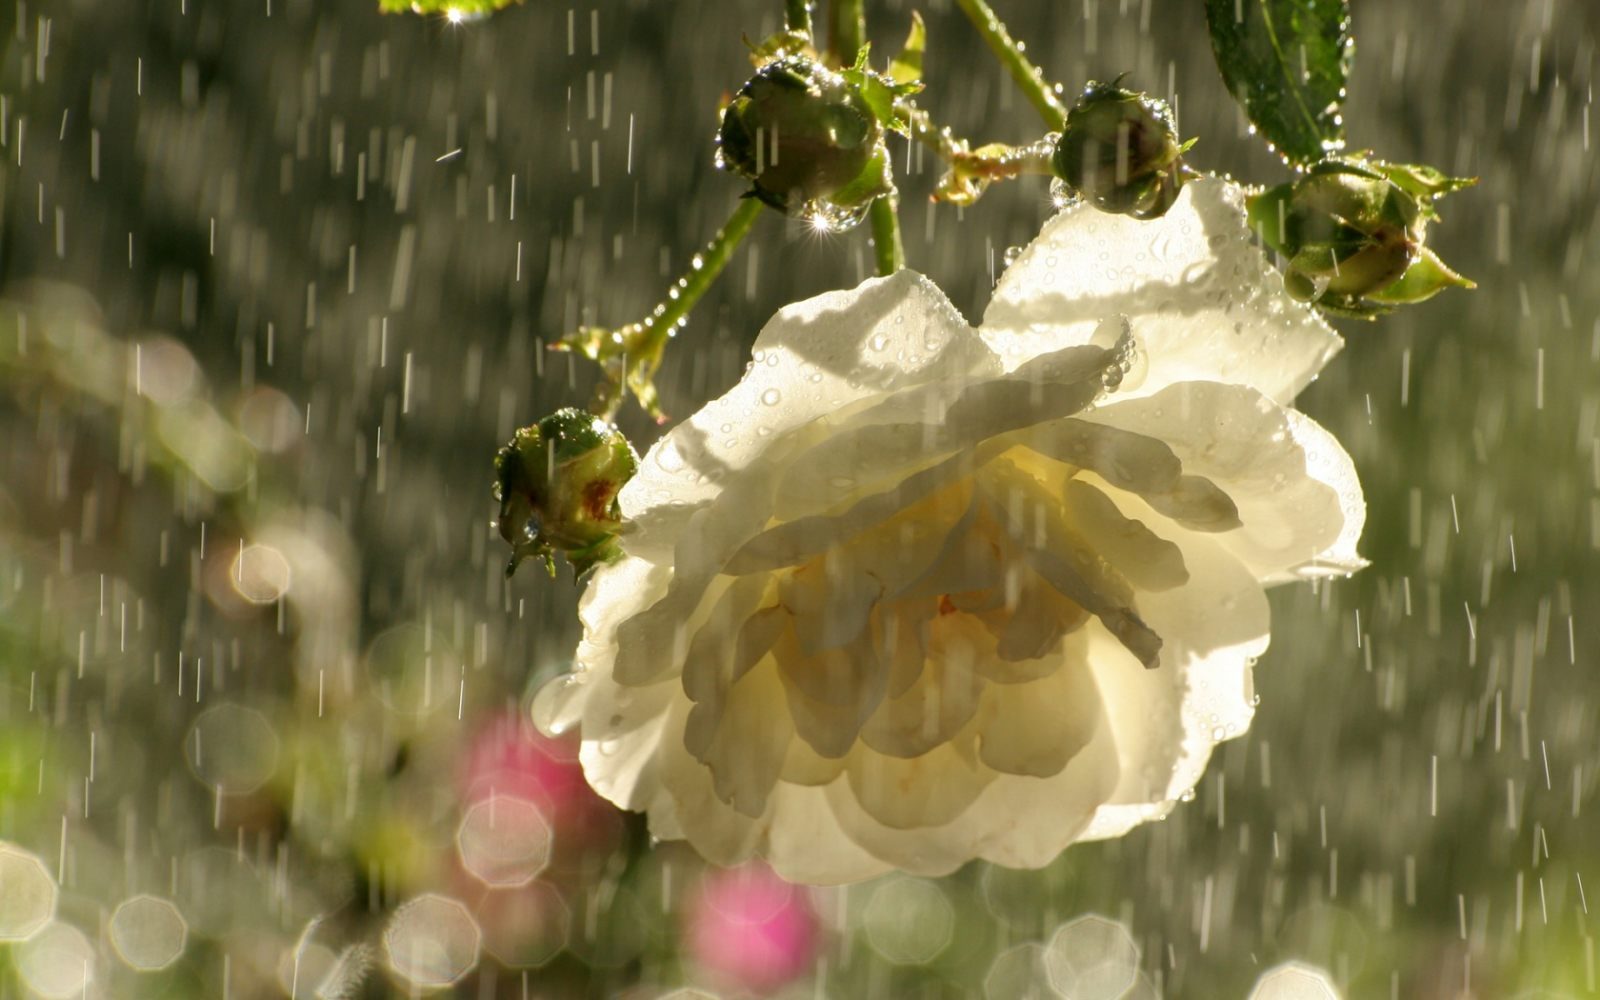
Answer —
278 277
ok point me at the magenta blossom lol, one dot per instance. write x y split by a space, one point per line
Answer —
750 929
510 758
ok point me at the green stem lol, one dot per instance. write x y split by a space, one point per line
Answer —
797 15
887 249
1009 52
646 341
703 272
971 171
847 34
848 31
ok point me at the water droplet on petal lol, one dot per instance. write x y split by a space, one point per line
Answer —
553 709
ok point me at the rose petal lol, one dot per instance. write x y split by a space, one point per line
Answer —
804 766
706 667
743 738
806 843
1142 557
878 447
1136 462
944 698
830 694
625 770
797 832
1166 721
1331 465
831 598
1063 559
1026 636
967 559
903 794
1202 301
1299 504
1018 821
788 543
1036 728
813 358
902 642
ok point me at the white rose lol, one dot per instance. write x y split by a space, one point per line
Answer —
914 593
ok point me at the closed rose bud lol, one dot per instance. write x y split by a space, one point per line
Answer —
1346 228
1120 151
800 133
1352 230
557 484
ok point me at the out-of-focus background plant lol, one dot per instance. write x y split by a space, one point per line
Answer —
276 279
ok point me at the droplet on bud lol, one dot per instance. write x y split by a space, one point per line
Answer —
1120 151
807 140
557 483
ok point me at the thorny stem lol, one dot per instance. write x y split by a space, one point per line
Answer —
887 249
705 268
797 15
848 30
849 33
971 170
650 336
1009 52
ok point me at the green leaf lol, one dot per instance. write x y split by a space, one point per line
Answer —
880 92
907 66
1286 61
874 181
875 91
455 10
1267 213
1423 280
1422 181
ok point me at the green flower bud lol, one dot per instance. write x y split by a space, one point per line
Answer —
1120 151
1353 232
802 134
557 483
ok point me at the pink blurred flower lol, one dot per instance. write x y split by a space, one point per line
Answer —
508 757
750 929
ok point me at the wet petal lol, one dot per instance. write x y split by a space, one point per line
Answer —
1166 721
804 766
1295 489
1027 635
812 359
1037 728
1202 301
902 642
930 790
879 447
944 698
1144 559
1064 559
831 599
743 738
788 543
830 694
708 670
